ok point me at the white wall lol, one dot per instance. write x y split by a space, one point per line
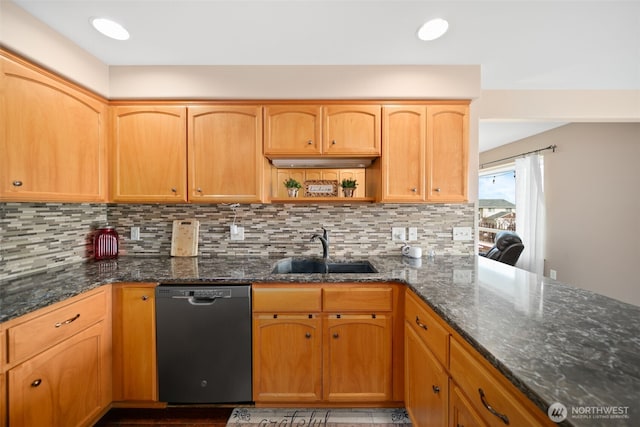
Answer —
592 199
33 40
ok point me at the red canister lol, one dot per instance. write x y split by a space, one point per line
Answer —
105 243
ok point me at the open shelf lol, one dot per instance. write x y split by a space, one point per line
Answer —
323 199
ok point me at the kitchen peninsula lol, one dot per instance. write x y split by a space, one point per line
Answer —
553 342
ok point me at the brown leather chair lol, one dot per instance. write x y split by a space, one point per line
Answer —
506 249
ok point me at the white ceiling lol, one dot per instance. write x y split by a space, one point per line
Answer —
520 44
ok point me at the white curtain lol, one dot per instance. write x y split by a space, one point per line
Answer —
530 212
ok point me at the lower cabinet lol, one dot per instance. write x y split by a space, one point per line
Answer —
134 343
62 386
58 363
462 413
357 357
307 348
426 383
287 357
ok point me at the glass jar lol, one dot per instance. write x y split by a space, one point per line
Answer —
105 243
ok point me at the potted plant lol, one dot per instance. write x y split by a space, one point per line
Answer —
348 186
292 187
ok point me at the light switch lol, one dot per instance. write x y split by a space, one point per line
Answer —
462 233
413 234
398 234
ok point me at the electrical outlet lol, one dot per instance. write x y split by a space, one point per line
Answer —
135 233
413 234
553 274
239 234
398 234
461 233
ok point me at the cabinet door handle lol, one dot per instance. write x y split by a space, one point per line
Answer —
333 142
419 323
17 183
437 189
36 383
199 190
144 298
174 190
436 389
66 322
414 190
503 417
309 142
336 335
307 335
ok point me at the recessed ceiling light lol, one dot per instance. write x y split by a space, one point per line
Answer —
110 28
433 29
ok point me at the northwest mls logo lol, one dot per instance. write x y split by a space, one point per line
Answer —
557 412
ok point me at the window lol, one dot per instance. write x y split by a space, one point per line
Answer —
496 203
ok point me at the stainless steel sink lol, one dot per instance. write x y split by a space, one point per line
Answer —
310 266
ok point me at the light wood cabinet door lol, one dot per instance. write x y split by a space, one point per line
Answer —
461 412
287 359
447 153
351 130
149 149
53 138
493 397
426 383
357 358
63 386
225 154
403 154
134 344
292 130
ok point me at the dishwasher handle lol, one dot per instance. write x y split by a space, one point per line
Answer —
203 300
193 300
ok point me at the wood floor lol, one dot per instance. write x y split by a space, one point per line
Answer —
170 417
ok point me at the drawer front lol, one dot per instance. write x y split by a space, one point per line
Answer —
490 397
39 333
345 299
431 331
287 300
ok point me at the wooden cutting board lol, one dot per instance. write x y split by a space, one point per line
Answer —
184 239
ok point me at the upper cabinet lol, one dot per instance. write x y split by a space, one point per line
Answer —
447 152
351 130
403 153
226 163
53 137
425 153
313 130
149 152
292 130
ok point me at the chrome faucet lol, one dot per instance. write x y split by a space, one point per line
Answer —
324 239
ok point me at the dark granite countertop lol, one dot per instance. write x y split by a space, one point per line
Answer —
556 343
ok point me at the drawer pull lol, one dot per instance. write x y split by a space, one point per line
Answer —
36 383
307 335
436 389
419 323
66 322
144 297
503 417
309 142
17 183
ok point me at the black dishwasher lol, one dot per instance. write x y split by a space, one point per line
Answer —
203 336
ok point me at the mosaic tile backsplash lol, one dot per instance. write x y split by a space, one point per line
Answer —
36 236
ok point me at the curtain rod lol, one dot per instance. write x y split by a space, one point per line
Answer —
551 147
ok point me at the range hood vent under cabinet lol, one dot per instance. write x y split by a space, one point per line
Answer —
323 162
